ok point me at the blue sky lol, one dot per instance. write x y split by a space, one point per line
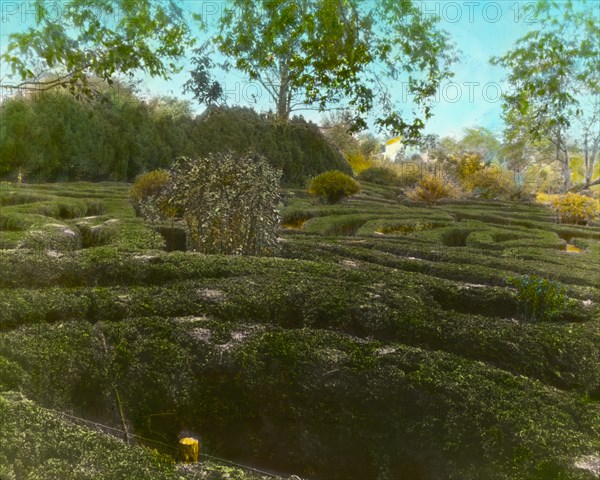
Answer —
480 30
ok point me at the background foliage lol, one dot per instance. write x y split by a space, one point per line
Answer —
53 137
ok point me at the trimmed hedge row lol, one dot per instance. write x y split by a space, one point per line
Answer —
367 346
369 303
464 263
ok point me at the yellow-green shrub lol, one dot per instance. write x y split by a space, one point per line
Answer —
489 182
575 208
333 185
358 162
469 164
146 186
430 189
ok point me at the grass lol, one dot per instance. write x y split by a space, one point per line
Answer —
375 320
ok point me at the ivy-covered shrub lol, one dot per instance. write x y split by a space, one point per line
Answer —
431 189
575 208
540 299
229 202
333 186
146 187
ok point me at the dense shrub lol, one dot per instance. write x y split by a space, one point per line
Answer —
455 237
18 198
295 217
146 186
457 166
430 189
333 186
64 209
229 202
489 182
575 208
541 299
396 175
95 207
297 148
55 137
380 175
346 225
519 193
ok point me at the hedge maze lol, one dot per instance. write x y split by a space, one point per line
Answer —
382 340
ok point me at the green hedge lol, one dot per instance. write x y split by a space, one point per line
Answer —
296 398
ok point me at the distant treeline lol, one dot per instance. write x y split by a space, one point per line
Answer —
55 137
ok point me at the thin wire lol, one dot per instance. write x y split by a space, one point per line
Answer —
170 447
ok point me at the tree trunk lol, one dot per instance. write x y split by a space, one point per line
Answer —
563 151
590 158
566 171
283 95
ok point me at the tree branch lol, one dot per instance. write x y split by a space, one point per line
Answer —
583 186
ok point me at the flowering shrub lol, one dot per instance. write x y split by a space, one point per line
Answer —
358 162
575 208
468 164
540 299
228 202
333 185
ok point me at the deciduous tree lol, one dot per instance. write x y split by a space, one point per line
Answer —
553 71
95 38
324 54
